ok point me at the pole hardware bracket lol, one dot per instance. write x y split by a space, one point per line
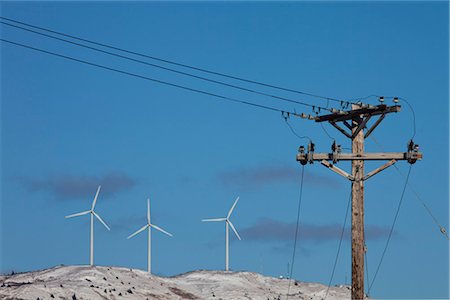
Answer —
412 154
310 155
306 157
301 151
336 150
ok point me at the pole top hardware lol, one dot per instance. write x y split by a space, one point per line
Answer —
412 153
365 110
336 150
307 157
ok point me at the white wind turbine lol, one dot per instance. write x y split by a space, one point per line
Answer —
149 236
92 212
227 222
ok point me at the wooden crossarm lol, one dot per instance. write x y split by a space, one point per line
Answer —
349 115
361 156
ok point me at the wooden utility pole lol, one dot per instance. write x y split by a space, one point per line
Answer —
357 214
356 122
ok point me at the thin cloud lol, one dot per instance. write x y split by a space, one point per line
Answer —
267 230
74 187
260 176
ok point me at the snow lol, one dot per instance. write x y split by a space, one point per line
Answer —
85 282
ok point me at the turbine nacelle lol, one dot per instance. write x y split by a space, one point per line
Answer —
227 219
149 225
91 211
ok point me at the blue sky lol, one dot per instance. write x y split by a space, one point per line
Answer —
67 127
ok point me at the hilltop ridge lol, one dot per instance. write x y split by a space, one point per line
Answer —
99 282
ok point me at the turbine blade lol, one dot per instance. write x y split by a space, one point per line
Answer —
95 198
148 210
101 220
78 214
234 229
231 210
140 230
160 229
214 220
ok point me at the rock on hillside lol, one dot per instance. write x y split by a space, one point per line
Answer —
91 283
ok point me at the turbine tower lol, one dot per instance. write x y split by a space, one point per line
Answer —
149 226
93 213
227 223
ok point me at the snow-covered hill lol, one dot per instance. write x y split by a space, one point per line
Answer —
90 283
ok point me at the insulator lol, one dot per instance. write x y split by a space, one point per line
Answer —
410 145
395 100
381 99
333 146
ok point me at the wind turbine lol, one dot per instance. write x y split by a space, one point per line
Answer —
92 212
227 222
149 236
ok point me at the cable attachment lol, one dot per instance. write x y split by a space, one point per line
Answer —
307 156
413 150
444 232
310 154
336 151
301 151
285 115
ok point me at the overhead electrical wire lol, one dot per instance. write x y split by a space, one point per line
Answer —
413 116
294 132
339 245
296 230
366 264
418 197
413 113
179 64
169 69
392 229
149 78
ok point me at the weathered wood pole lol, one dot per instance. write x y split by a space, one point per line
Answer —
357 214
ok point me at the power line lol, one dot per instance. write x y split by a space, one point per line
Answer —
367 266
399 98
179 64
326 132
413 116
296 230
149 78
392 227
169 69
339 245
294 132
418 197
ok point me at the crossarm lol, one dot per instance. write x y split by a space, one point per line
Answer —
362 156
